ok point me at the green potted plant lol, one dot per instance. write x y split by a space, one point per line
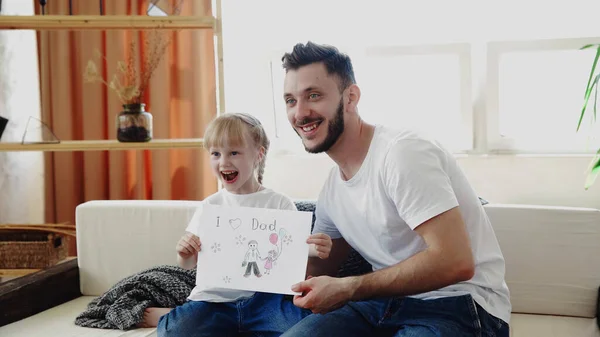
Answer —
592 87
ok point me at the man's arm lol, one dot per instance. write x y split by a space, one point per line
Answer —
417 173
329 266
447 260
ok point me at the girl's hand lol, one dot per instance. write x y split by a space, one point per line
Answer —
188 245
322 244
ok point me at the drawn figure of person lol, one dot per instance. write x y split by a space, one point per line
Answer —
251 258
270 259
273 254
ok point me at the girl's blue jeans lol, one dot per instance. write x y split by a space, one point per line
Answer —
264 314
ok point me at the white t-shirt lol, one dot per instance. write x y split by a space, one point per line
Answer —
404 180
265 198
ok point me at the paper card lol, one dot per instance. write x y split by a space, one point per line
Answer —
254 249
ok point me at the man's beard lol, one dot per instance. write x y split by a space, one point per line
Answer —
335 128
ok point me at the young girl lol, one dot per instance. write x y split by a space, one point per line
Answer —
238 145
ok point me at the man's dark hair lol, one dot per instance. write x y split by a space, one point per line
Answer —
335 62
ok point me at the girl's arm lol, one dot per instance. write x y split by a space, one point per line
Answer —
187 263
187 250
329 266
312 250
319 245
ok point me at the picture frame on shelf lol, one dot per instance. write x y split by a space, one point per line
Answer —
3 121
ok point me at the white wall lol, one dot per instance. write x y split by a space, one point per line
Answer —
552 180
21 173
254 30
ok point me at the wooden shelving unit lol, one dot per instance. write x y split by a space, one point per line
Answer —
105 22
115 22
104 145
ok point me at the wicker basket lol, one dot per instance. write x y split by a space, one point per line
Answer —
31 249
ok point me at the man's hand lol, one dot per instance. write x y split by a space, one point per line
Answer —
188 246
323 294
322 244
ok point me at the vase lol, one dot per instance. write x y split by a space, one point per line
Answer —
134 124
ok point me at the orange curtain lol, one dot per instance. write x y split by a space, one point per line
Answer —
181 97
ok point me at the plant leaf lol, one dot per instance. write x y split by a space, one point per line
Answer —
591 178
587 46
594 170
588 87
595 97
587 98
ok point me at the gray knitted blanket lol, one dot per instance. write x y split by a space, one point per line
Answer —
122 306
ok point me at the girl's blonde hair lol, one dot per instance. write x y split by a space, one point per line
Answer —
233 129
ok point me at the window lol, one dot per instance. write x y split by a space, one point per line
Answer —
535 96
21 173
421 87
444 71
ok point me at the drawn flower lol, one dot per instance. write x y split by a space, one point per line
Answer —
227 279
239 240
288 240
216 247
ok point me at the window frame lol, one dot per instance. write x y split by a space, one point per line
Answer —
479 89
464 53
495 142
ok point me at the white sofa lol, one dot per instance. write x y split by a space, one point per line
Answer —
552 263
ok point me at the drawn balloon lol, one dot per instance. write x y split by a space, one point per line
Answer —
282 233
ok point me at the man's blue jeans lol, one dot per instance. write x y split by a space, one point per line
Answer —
263 314
403 317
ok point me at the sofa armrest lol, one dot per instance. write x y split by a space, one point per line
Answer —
139 234
31 294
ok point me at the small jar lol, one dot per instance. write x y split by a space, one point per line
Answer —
134 124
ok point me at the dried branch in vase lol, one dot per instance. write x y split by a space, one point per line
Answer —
131 79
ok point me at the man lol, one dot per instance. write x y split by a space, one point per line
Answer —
251 258
404 204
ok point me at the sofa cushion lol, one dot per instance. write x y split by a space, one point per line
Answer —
59 322
118 238
552 256
525 325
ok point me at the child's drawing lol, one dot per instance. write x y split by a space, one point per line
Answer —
251 259
252 242
274 254
235 223
239 240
